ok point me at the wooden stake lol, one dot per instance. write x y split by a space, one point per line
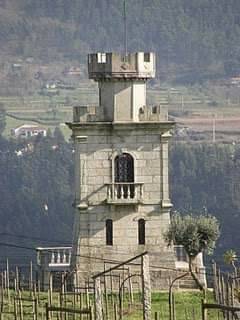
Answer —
35 309
98 299
20 306
105 296
204 311
31 278
156 316
17 279
215 282
7 283
173 307
115 312
130 287
15 309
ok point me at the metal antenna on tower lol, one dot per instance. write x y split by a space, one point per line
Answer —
125 27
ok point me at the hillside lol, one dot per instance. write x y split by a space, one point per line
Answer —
195 40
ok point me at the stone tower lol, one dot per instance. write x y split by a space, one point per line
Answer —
121 167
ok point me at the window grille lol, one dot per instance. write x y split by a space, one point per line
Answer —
124 175
124 168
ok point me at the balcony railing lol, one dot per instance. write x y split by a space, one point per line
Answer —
124 193
54 257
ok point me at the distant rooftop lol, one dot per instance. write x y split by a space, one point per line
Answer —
30 126
28 130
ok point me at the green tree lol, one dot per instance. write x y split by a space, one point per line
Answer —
230 257
58 135
196 234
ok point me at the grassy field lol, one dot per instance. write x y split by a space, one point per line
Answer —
188 307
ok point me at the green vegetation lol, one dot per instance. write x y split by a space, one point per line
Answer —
230 258
36 193
197 234
205 178
27 306
188 305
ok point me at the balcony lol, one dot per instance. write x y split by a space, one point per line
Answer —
54 258
124 193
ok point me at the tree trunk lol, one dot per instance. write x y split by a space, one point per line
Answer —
195 277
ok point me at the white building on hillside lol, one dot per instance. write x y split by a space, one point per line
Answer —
28 130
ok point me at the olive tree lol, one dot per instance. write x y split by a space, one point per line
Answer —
195 233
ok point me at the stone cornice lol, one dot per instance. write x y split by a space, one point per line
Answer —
147 125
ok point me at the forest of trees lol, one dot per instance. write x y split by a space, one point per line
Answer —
36 194
194 39
204 178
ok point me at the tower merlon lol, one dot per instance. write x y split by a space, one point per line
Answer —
139 65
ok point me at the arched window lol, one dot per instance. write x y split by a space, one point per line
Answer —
124 170
124 174
141 231
109 232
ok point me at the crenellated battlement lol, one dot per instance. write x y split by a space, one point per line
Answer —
96 114
140 65
153 113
